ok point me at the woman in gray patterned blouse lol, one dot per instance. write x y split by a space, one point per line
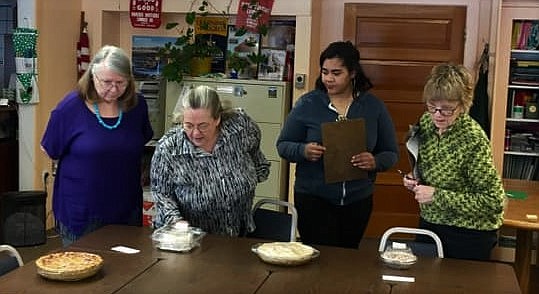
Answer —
206 169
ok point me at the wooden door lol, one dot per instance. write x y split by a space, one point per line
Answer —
399 44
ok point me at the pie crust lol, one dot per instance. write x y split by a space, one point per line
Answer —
285 253
69 265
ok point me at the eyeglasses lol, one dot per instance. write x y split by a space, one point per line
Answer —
106 84
443 111
202 127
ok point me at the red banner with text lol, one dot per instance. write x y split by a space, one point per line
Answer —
251 14
145 13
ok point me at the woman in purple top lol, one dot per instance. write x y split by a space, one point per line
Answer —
96 134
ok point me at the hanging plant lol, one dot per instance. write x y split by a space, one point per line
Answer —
188 45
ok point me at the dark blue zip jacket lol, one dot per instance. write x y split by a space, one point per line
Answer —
303 125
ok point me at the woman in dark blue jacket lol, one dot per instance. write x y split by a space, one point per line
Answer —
336 214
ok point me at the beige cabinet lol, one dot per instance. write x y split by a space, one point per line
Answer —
515 154
267 102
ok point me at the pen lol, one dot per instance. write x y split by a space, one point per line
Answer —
405 175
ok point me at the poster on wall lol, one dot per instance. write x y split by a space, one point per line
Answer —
274 66
214 29
146 62
145 13
251 16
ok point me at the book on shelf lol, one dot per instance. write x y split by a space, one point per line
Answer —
515 34
524 35
521 167
531 169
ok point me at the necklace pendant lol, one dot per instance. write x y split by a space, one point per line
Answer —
103 123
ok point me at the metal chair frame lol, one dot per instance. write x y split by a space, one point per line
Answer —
11 253
288 205
415 231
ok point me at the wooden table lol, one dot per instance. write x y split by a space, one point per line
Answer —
118 270
515 216
227 265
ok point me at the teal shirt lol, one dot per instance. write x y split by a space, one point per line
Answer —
458 164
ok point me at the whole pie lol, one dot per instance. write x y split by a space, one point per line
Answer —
286 253
69 265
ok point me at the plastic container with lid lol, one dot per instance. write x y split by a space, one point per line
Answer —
398 255
179 237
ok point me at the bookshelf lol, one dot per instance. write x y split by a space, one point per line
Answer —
521 145
515 120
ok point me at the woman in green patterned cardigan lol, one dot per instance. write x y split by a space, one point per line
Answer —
459 191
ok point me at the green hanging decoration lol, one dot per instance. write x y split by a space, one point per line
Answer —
25 40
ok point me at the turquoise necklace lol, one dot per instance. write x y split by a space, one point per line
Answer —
104 124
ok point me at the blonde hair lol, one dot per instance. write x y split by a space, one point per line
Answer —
450 82
201 97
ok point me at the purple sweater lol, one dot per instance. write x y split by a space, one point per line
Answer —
98 176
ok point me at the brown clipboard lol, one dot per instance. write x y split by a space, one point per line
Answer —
342 140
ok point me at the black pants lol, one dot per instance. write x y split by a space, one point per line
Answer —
463 243
322 223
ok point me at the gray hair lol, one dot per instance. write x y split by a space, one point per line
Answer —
112 57
201 97
115 59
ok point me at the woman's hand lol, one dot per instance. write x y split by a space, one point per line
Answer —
313 151
423 194
409 181
364 160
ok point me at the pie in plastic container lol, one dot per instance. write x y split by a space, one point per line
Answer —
178 237
285 253
69 265
398 257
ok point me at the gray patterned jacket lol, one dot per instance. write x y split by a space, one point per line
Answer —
212 191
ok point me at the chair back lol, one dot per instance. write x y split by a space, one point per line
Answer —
272 224
10 259
419 248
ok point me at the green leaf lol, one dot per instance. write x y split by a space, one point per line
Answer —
171 25
240 32
190 17
262 29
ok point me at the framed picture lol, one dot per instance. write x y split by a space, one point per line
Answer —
146 63
241 47
274 67
281 34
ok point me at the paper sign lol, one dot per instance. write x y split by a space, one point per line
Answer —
250 16
125 249
145 13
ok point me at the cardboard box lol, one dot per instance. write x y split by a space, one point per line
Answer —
148 208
